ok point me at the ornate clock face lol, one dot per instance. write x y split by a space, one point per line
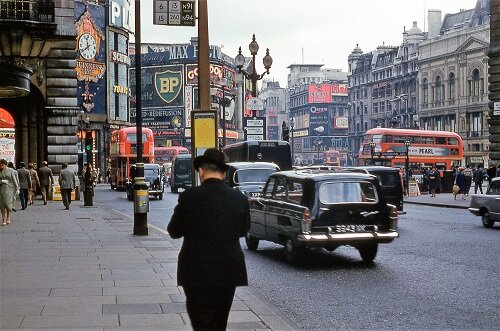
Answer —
87 46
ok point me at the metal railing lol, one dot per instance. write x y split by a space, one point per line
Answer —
27 10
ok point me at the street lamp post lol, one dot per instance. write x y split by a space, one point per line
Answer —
253 76
372 150
223 83
407 165
292 125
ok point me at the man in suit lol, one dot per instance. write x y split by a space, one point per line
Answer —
67 183
211 218
46 180
24 184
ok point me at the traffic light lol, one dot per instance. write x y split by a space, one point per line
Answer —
89 142
286 134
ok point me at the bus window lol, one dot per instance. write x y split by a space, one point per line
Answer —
440 141
417 140
452 141
428 140
387 138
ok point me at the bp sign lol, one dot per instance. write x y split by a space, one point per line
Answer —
168 84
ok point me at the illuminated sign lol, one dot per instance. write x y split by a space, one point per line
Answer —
341 122
120 89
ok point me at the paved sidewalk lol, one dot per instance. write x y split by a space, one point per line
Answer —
83 269
445 200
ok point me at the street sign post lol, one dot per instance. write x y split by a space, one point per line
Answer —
174 12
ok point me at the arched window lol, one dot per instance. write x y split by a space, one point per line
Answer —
439 89
425 91
476 84
451 86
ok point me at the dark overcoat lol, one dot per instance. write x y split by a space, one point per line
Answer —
211 218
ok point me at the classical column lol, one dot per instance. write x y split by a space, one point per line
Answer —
494 81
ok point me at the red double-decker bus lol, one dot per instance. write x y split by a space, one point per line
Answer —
166 154
123 153
440 149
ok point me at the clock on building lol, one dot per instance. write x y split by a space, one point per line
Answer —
87 46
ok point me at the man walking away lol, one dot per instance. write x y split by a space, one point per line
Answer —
67 183
46 180
468 178
477 177
211 218
491 172
24 184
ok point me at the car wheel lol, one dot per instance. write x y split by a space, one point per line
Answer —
112 186
292 252
160 196
252 242
485 218
130 197
368 252
173 189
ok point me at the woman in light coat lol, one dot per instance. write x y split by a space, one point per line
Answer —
8 187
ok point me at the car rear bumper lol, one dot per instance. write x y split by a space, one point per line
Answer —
475 211
326 239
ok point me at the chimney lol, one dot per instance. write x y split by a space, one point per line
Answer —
434 22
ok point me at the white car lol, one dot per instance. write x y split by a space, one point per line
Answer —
487 205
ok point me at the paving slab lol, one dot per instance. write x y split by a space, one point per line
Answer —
84 270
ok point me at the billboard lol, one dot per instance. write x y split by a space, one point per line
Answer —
320 93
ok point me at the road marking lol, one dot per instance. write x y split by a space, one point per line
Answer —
149 225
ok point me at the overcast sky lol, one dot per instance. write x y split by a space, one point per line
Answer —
324 31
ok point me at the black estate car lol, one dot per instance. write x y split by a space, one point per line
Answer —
249 177
320 209
153 174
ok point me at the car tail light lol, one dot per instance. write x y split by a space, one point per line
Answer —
306 221
394 217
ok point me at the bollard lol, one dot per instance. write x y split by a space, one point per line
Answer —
88 195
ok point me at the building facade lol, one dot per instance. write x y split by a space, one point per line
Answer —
453 80
274 98
383 88
317 102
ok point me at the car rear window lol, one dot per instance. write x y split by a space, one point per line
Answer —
347 192
242 176
386 179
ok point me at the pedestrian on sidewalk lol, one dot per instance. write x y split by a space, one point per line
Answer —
35 183
460 182
468 178
24 184
477 178
46 180
8 187
433 181
211 218
491 172
67 183
16 193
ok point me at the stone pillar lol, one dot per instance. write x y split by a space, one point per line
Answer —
494 81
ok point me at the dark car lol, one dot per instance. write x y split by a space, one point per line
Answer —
322 209
153 174
249 177
181 172
391 182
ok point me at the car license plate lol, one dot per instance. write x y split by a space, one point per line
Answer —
347 228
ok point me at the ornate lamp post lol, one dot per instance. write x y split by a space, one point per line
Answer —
407 165
372 150
253 76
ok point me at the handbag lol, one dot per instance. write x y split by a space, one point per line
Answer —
456 189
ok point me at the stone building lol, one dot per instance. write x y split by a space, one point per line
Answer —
317 102
453 76
383 88
38 86
274 98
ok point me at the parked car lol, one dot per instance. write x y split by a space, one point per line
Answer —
321 209
154 176
181 172
249 177
391 182
487 205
